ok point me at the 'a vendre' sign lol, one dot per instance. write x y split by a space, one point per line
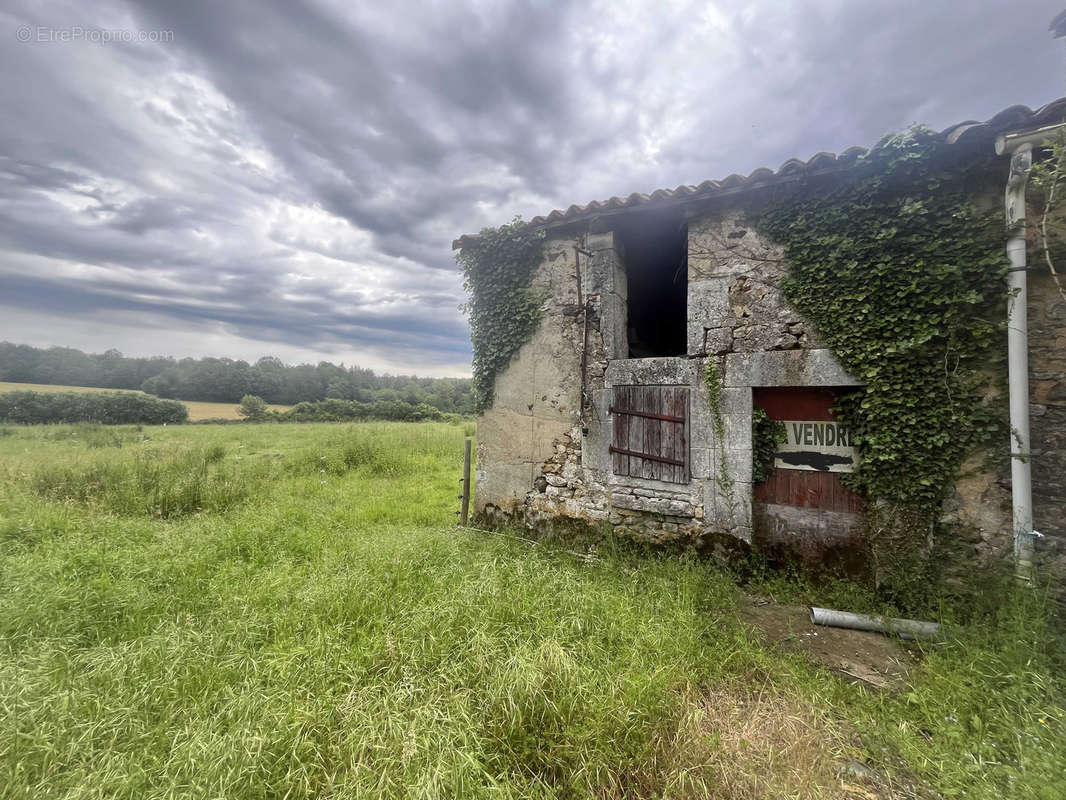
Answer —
820 446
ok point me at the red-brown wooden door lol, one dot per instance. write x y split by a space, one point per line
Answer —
803 511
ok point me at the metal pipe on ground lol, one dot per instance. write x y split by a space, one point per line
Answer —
904 628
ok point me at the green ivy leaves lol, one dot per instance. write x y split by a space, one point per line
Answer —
497 269
903 277
767 436
713 381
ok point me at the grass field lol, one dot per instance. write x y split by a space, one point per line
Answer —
287 611
197 411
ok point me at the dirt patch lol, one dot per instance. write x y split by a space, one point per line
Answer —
870 658
741 742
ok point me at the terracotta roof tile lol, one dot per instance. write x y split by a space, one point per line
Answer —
1008 119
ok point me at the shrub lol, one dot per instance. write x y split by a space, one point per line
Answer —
107 408
252 408
334 410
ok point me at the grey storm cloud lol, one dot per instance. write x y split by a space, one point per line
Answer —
284 177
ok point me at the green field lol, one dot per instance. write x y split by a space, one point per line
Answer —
287 611
197 410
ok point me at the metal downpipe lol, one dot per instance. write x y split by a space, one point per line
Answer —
1018 365
1020 147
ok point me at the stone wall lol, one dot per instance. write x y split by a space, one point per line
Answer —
543 454
1047 382
735 300
543 448
979 512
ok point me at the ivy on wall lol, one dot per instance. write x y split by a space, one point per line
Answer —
504 312
904 277
767 435
712 379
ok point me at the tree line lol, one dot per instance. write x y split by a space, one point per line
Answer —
255 409
226 380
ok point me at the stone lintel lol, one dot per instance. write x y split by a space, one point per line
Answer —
786 368
673 371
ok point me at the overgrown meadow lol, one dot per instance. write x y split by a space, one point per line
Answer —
271 611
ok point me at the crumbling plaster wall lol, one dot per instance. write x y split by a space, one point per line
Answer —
536 401
1047 388
981 503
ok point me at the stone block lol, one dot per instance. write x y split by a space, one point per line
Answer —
742 532
785 341
708 303
696 339
653 505
701 462
736 402
738 462
613 316
718 341
600 430
604 270
728 506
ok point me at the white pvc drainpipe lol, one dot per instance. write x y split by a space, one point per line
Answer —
904 628
1020 147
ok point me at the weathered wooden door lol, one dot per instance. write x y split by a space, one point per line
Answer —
803 511
651 433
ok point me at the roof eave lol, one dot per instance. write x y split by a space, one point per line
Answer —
791 171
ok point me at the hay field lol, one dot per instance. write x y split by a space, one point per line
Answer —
197 411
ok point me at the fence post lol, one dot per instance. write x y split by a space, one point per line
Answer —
464 513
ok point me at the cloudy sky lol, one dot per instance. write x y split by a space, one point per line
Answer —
273 177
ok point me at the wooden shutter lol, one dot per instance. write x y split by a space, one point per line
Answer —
651 432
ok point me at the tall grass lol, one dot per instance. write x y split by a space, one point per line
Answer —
323 631
987 708
152 483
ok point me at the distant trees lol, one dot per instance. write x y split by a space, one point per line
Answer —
125 408
67 366
226 380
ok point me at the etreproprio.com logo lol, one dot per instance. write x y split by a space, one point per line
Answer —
77 33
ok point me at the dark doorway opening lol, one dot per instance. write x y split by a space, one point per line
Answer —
656 258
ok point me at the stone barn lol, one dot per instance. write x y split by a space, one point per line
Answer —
665 339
